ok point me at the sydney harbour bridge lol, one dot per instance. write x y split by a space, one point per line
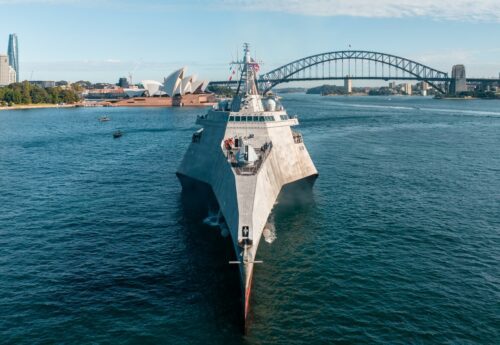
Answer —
365 65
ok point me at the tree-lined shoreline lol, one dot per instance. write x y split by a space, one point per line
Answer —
26 93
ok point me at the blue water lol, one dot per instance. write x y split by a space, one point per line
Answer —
401 243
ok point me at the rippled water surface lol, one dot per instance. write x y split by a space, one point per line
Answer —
401 243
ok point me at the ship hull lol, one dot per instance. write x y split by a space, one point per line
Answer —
198 199
246 193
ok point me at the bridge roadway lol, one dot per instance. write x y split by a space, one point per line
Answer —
469 80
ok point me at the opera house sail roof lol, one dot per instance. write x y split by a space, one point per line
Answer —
153 87
178 83
173 82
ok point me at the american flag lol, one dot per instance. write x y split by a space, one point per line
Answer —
255 66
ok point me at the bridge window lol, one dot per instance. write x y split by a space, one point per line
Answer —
237 118
231 118
255 118
261 118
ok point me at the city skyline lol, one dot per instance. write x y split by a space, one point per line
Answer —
102 41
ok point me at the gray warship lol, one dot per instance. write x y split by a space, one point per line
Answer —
244 154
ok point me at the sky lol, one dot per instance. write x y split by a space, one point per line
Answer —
102 40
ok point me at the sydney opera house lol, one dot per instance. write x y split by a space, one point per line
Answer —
178 89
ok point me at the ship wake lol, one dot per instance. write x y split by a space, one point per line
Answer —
216 220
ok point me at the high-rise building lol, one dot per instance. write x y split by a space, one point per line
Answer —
123 82
13 55
407 89
458 80
7 73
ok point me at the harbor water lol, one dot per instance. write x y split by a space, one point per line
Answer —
400 244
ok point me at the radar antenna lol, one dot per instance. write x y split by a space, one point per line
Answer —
248 77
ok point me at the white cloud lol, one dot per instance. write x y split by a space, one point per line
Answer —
464 10
27 2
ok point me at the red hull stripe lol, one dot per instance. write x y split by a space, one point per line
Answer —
247 296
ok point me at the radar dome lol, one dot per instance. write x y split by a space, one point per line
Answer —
269 105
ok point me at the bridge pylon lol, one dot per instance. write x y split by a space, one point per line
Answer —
348 84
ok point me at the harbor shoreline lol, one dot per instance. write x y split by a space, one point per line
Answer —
39 106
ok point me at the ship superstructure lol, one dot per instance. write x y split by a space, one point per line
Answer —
245 152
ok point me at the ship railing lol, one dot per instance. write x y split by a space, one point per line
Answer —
297 137
249 169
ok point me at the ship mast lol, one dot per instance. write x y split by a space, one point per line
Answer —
248 77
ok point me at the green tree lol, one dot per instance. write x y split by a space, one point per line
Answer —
17 96
25 93
220 90
39 95
77 87
26 90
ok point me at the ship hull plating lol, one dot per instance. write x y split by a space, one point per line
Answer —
198 198
246 200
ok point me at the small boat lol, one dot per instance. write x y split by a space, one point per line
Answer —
117 134
104 119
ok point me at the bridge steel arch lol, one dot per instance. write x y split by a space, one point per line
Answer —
418 71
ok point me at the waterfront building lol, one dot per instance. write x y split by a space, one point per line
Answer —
43 83
132 92
7 73
123 82
13 53
458 80
407 89
423 88
178 89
